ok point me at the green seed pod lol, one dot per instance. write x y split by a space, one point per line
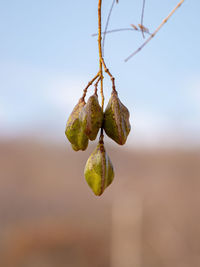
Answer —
99 171
74 130
116 120
92 117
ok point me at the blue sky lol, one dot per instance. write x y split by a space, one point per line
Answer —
47 56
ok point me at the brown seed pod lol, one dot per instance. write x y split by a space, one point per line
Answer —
91 117
74 130
99 172
116 120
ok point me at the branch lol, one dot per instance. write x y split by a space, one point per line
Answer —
155 32
100 52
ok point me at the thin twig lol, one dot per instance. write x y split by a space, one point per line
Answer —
88 85
142 18
96 85
156 31
122 29
106 26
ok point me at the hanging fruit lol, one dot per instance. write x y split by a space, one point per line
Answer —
99 172
88 118
116 120
74 130
92 117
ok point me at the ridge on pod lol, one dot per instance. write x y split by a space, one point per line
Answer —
74 130
91 117
99 172
116 120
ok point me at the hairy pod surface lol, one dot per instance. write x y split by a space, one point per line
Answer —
92 117
74 130
116 120
99 172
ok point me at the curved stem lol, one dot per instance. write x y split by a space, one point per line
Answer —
96 85
88 85
108 72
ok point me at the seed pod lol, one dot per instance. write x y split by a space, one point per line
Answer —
99 171
74 130
92 117
116 120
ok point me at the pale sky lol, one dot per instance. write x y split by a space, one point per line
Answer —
47 56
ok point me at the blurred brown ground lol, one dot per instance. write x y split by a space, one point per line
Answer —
50 217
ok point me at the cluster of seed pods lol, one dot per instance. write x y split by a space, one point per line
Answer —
84 124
